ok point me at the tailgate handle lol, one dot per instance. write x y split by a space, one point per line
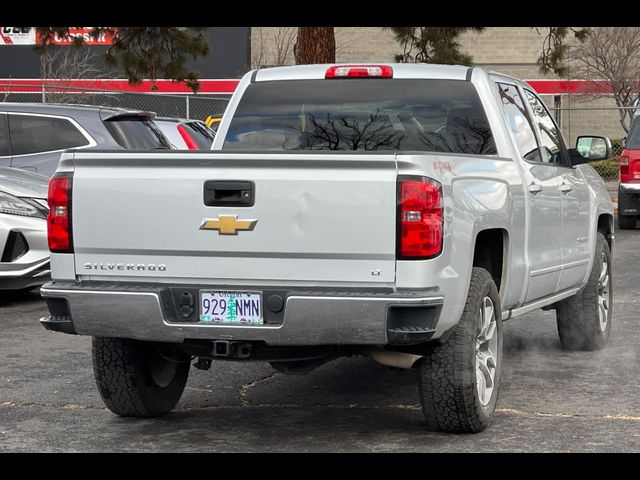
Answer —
228 193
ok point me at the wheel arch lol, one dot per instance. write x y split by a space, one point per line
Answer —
605 225
491 247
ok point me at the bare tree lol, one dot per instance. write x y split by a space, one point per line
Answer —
342 132
258 47
142 52
64 63
347 40
611 54
272 46
285 39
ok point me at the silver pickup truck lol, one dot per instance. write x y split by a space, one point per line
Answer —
401 211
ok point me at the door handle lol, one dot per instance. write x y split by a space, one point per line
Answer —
535 188
565 187
228 193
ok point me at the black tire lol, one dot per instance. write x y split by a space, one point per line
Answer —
626 222
139 379
447 372
578 317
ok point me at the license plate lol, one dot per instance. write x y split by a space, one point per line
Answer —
231 307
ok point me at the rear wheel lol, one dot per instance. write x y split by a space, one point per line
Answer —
139 379
459 379
584 320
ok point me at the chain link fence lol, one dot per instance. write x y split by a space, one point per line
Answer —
608 169
574 120
194 106
599 119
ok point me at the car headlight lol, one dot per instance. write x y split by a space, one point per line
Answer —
19 206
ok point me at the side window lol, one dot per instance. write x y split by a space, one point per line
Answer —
33 134
633 138
518 122
5 150
553 150
135 133
201 134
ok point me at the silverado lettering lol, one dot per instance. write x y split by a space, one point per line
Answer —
150 267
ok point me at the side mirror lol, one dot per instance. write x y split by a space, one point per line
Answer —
594 148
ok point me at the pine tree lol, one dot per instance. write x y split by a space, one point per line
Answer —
145 52
231 309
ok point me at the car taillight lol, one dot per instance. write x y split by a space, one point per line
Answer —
191 144
420 220
624 167
59 218
359 71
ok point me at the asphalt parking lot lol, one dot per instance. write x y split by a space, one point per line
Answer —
550 400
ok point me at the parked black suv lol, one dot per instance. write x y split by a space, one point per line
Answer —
32 135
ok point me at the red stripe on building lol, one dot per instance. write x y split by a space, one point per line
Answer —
560 87
164 86
542 87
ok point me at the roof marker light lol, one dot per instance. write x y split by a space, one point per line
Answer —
359 71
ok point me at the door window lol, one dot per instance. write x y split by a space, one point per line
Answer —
553 149
518 122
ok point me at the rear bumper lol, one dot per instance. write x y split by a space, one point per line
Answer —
149 312
33 277
630 187
629 199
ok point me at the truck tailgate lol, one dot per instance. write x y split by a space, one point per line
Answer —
320 218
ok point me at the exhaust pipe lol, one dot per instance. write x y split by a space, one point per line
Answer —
394 359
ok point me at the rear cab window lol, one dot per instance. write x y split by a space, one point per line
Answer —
361 115
136 133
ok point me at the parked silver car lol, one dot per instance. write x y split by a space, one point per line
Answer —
186 134
24 261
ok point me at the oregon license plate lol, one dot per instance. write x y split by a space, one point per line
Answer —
231 307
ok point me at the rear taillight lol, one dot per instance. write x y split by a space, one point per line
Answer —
624 167
420 229
359 71
191 144
59 218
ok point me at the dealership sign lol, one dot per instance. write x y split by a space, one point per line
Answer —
29 36
17 36
85 34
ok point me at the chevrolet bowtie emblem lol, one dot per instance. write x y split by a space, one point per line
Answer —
228 224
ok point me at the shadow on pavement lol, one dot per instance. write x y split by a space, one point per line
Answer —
519 343
17 297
